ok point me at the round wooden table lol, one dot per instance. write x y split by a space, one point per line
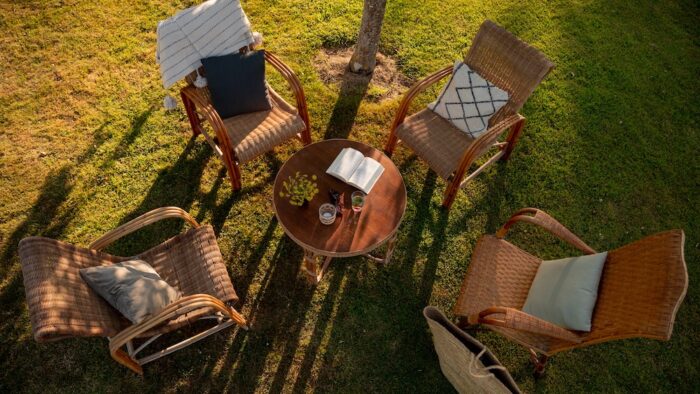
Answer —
351 234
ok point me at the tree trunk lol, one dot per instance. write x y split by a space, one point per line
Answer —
365 56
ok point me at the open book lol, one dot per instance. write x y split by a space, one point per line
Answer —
353 168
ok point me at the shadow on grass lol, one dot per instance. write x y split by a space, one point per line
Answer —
48 217
352 90
277 316
375 321
177 185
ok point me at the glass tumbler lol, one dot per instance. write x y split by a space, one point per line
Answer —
358 201
326 213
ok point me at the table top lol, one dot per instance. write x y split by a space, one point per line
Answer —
352 234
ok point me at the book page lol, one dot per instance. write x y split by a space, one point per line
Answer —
366 174
345 164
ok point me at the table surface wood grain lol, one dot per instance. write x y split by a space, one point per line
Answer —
352 234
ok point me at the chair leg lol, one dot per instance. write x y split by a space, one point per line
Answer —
234 174
391 143
512 139
540 361
191 115
451 193
124 359
306 136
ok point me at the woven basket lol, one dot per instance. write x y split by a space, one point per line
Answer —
466 362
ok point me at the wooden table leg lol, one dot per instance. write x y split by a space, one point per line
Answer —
314 272
390 245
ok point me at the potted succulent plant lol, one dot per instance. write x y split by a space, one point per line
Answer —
299 189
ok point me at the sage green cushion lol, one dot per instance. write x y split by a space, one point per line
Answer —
564 292
132 287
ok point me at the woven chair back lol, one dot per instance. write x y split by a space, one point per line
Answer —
641 289
508 63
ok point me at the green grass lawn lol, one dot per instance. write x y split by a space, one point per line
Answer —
610 149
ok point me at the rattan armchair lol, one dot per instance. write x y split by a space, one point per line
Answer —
641 289
62 305
242 138
505 61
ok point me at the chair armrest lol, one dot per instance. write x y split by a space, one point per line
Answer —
140 222
542 219
484 142
178 308
414 91
201 99
294 84
521 321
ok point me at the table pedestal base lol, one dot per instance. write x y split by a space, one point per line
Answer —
315 264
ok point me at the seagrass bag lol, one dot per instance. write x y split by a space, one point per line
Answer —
466 362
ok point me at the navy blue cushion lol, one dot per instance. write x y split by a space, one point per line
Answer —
237 83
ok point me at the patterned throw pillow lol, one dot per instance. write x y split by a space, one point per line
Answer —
468 100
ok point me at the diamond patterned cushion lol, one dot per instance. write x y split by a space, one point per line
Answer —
469 101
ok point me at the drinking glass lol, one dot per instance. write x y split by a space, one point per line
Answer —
358 200
326 213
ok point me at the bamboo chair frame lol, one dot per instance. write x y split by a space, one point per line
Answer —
225 315
543 339
199 107
203 306
490 56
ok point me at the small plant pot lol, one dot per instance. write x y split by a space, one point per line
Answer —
299 187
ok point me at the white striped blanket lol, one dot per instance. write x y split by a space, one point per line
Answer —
213 28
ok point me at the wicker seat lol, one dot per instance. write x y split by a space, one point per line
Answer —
242 138
62 305
641 289
435 140
253 134
505 61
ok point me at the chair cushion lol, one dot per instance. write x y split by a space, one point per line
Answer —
237 83
468 100
256 133
434 140
564 291
132 287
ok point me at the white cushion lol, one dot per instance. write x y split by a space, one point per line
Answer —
468 100
564 292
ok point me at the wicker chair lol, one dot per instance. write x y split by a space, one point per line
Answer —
641 288
242 138
508 63
62 305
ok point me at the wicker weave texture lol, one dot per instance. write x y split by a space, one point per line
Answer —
457 352
259 132
435 140
500 274
62 305
241 139
509 63
642 286
641 289
504 60
254 134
